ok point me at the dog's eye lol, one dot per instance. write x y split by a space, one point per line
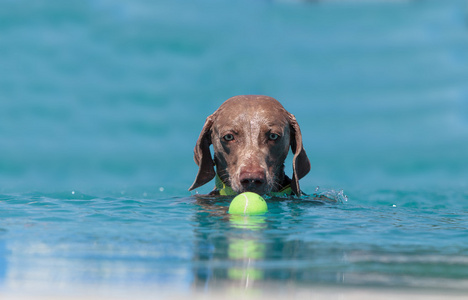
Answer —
228 137
273 136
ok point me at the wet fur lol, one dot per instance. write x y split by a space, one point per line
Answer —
252 161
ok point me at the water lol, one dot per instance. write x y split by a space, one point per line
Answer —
101 103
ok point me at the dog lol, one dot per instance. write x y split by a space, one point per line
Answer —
251 136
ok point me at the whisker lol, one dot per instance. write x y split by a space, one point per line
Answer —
273 184
224 178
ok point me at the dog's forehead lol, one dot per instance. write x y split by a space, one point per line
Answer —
252 101
258 109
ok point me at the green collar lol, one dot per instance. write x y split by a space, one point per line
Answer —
225 190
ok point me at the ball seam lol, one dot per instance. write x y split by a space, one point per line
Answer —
246 203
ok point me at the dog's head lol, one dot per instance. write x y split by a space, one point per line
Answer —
251 137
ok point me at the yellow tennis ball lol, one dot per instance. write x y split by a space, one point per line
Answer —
248 203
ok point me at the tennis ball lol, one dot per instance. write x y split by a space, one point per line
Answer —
248 203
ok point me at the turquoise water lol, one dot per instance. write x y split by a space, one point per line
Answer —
101 103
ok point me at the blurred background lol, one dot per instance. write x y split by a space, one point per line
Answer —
113 94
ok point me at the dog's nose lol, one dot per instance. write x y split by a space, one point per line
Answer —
252 180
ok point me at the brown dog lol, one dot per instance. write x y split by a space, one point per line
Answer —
251 136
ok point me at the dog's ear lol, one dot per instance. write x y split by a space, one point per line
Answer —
202 155
301 163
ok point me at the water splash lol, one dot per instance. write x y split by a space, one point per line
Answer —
332 195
